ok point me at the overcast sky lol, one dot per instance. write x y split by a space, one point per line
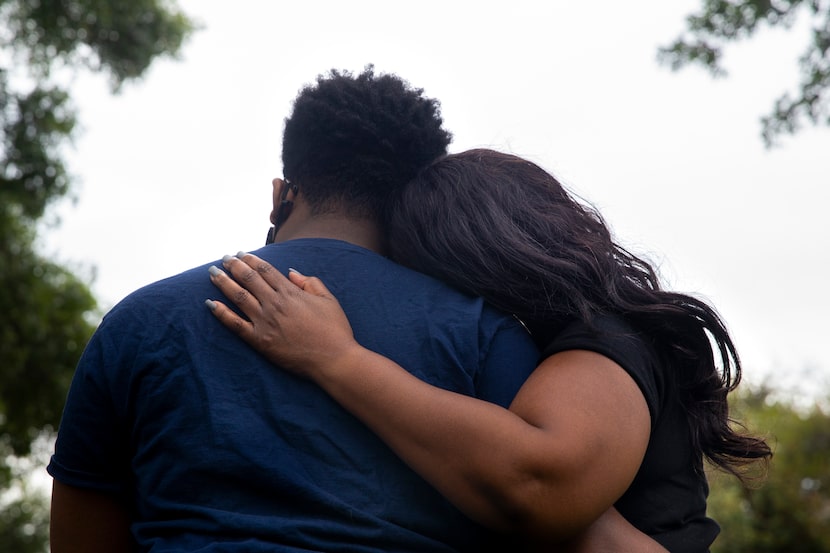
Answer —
175 171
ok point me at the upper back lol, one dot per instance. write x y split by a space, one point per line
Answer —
221 444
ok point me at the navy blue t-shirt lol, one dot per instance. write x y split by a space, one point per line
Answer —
214 449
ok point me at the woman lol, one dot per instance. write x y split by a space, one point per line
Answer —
629 398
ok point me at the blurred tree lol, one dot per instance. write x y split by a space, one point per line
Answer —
723 21
790 511
47 310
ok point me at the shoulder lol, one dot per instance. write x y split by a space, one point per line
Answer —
154 311
609 335
613 337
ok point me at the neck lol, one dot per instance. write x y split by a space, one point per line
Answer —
361 232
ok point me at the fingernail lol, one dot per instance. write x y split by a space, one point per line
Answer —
241 253
210 304
214 270
226 258
293 270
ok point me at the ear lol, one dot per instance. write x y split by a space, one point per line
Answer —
277 185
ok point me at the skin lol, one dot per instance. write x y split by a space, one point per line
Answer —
74 508
546 469
303 224
83 520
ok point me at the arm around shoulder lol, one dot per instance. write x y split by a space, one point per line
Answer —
585 428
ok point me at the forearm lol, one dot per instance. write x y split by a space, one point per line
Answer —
490 463
609 533
564 452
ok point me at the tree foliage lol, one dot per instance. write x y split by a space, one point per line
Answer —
722 21
48 309
790 510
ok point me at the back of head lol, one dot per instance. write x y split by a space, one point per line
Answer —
353 141
501 227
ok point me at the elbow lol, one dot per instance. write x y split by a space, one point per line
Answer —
542 505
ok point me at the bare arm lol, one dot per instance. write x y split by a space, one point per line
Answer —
610 533
547 468
84 520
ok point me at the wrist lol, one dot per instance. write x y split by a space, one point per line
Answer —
353 375
344 361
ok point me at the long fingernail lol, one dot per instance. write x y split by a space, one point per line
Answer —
226 258
214 270
210 305
240 253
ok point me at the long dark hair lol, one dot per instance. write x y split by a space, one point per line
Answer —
498 226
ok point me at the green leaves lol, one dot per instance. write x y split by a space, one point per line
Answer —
121 38
47 311
44 328
723 21
34 125
790 510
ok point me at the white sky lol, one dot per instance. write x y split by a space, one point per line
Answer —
176 170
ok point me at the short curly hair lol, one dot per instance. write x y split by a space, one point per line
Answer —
352 142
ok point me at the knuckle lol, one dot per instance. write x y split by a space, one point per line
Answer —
275 303
240 297
237 326
248 275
